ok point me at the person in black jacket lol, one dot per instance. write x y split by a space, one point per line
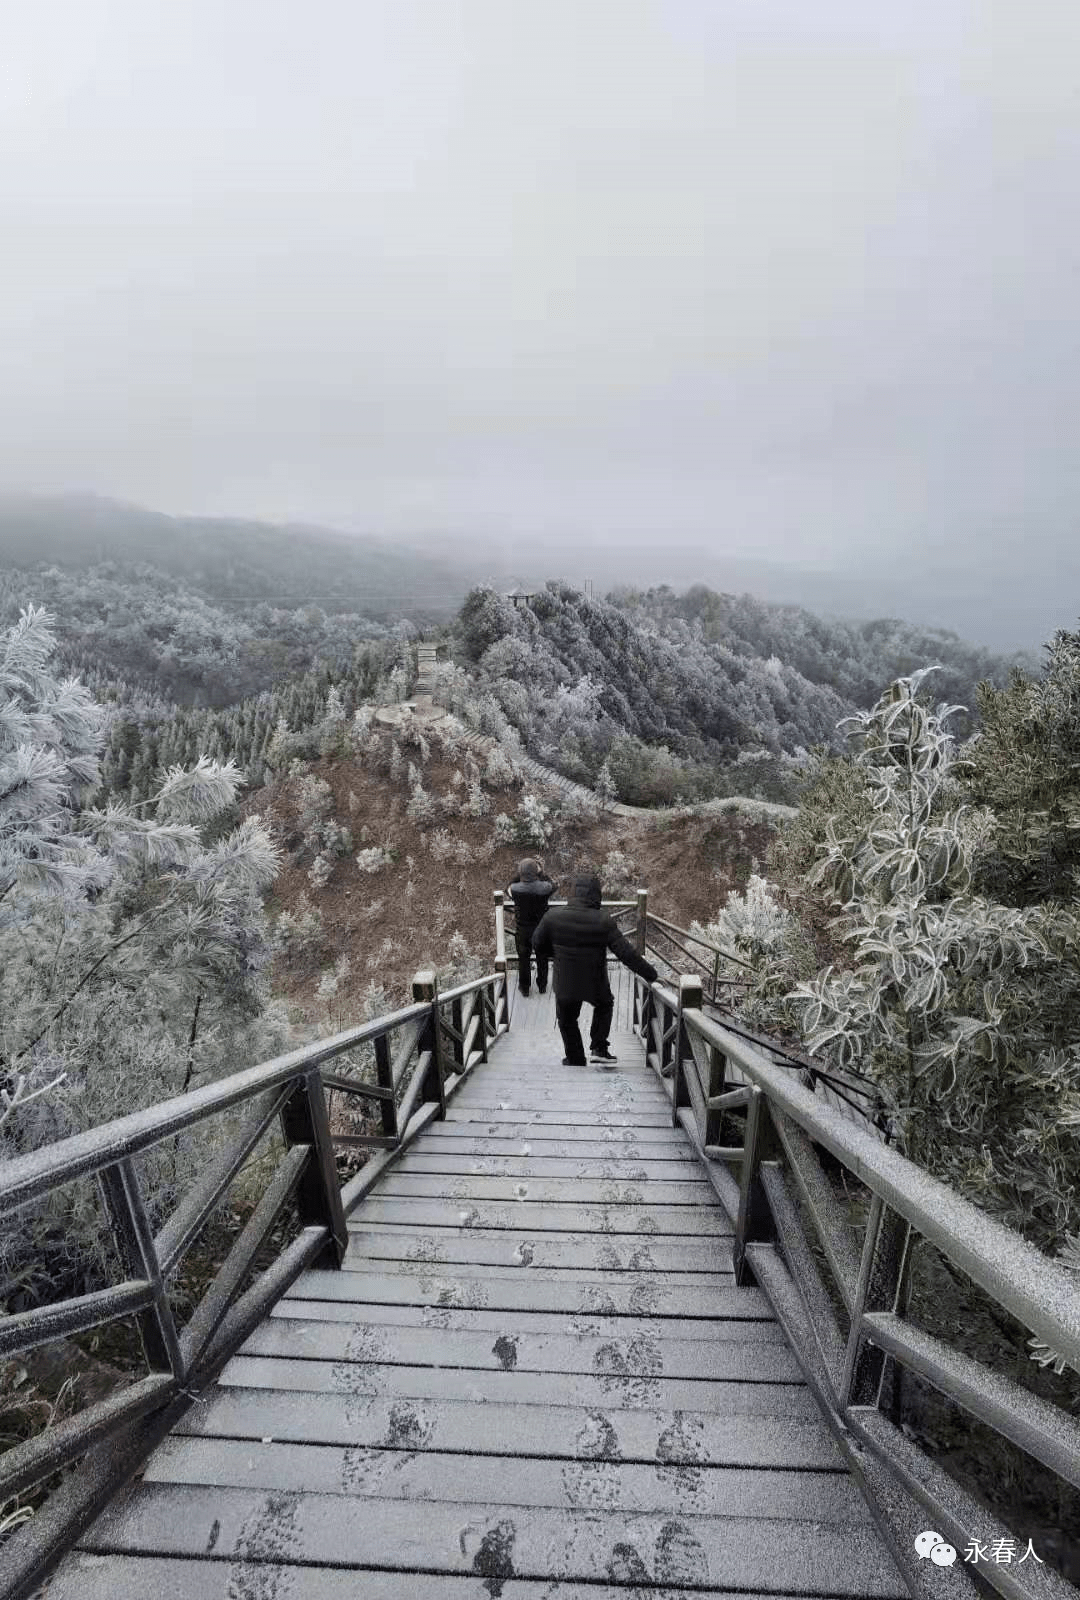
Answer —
530 893
579 936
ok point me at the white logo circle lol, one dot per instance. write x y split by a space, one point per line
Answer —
933 1545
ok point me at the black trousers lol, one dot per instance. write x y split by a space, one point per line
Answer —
525 953
567 1013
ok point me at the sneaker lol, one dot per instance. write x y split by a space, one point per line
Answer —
568 1063
603 1055
524 993
541 988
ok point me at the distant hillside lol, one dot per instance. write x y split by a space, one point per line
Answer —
228 559
1004 600
695 695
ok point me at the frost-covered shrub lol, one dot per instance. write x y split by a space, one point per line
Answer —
442 913
477 804
397 762
337 840
533 821
330 992
461 963
314 803
422 808
605 786
374 860
619 874
504 829
296 931
320 871
752 923
440 844
500 771
769 952
575 810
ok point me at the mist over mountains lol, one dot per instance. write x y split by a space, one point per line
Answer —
1002 600
1004 603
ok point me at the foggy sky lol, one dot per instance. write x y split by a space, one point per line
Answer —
797 280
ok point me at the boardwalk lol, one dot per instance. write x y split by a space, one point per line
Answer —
534 1379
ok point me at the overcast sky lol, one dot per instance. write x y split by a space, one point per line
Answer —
792 278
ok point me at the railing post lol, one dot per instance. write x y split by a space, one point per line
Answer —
717 1080
481 1024
426 987
755 1222
135 1246
689 1000
500 931
457 1043
645 1016
879 1288
502 1001
642 919
318 1194
384 1076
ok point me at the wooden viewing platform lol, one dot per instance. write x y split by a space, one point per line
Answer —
534 1378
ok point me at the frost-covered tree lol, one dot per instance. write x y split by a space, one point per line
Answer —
960 1008
605 787
133 943
1025 766
762 950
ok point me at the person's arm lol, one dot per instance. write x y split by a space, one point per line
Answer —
541 939
620 946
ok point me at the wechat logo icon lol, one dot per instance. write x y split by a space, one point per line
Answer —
933 1545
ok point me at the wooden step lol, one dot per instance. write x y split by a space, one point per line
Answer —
525 1216
528 1117
775 1425
360 1382
91 1576
654 1297
597 1315
819 1496
742 1357
541 1251
456 1130
601 1162
572 1191
471 1538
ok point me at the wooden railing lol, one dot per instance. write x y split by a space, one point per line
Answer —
656 937
851 1368
439 1038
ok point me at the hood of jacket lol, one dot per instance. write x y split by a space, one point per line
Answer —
587 892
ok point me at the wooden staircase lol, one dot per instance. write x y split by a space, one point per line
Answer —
533 1378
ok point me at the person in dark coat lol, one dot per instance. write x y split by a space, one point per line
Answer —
579 936
530 893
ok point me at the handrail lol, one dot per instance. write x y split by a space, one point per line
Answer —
841 1087
783 1120
709 944
29 1176
112 1437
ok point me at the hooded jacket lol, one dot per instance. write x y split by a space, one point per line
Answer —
530 894
579 936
